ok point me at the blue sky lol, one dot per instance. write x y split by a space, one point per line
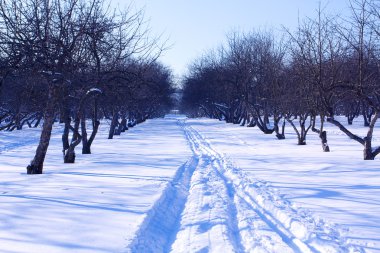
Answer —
195 26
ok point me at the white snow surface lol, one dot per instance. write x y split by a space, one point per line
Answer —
190 185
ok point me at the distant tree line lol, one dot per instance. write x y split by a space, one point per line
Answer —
75 62
328 66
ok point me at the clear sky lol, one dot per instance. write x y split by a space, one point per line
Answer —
195 26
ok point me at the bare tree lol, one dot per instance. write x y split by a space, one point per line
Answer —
362 81
317 50
59 42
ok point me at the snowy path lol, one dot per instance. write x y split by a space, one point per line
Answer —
210 206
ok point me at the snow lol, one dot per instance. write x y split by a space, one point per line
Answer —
94 205
336 187
190 185
94 90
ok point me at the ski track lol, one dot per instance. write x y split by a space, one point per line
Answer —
159 227
212 206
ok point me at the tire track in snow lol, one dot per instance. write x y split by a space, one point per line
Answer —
267 223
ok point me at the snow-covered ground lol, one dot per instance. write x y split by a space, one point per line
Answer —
94 205
190 185
338 186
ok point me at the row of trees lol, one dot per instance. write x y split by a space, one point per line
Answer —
328 66
76 61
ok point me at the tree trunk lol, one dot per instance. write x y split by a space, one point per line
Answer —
252 122
123 125
266 119
86 143
262 124
368 152
113 126
118 128
65 136
321 133
279 135
131 122
18 121
36 165
366 120
245 118
66 130
86 149
301 135
349 119
69 156
301 140
39 117
323 137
